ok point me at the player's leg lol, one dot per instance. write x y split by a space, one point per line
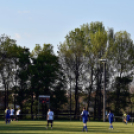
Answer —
111 126
17 117
51 124
47 124
84 125
6 120
9 119
14 117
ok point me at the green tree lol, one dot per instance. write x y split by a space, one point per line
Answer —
95 49
120 57
21 89
71 51
7 52
46 70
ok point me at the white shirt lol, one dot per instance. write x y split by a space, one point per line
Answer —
18 112
50 115
12 112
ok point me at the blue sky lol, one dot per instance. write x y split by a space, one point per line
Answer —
33 22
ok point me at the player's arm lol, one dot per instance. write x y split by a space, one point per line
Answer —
107 115
47 116
82 113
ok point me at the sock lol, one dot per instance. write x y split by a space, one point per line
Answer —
83 128
111 126
86 128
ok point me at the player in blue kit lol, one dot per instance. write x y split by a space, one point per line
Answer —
127 118
110 118
8 112
84 115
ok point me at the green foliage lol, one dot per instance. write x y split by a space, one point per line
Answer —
41 71
121 94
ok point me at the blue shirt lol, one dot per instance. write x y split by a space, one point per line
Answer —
110 116
50 115
85 115
8 113
128 117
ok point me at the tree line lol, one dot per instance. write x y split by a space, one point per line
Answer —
73 78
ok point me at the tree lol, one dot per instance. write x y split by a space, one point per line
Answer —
72 53
95 49
46 70
120 56
21 89
7 52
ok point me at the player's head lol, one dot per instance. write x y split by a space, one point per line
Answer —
110 111
49 109
84 108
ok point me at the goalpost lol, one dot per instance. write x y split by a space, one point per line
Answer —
43 99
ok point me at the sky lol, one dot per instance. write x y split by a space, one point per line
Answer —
32 22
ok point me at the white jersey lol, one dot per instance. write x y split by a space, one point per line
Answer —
18 112
12 112
50 115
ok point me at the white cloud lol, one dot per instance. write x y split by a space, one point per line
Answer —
17 36
23 12
27 35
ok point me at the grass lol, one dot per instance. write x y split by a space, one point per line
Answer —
64 127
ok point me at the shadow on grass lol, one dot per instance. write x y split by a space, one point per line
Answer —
27 129
35 127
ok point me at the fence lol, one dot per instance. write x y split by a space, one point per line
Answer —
64 117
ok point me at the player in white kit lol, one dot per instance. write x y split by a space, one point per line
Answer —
50 118
12 114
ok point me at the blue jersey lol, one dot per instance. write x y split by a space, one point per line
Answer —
50 115
128 117
85 115
110 117
8 112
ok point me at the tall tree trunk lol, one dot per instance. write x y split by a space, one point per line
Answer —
99 95
76 97
76 87
37 104
90 88
32 105
95 109
5 93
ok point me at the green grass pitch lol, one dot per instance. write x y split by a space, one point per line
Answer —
64 127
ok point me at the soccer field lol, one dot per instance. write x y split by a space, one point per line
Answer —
61 127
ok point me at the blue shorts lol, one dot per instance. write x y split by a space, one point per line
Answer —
7 116
84 121
110 121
